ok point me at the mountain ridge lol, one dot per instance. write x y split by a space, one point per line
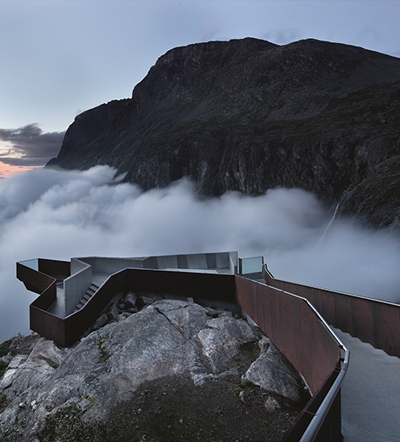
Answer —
248 115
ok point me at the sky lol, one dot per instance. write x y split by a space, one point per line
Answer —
61 57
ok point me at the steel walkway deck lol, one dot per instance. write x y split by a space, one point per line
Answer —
370 394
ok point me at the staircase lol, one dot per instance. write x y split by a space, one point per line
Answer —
88 294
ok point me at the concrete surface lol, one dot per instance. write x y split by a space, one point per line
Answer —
370 394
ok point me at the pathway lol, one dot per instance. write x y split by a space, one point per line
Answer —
370 394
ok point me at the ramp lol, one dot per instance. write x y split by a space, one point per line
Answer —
370 394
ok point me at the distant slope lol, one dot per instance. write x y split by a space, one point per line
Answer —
249 115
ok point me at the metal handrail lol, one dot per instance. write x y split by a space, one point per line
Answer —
313 287
318 419
371 320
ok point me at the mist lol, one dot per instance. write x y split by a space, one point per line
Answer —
63 214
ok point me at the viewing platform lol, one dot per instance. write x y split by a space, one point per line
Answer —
295 317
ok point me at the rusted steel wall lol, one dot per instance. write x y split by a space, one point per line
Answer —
331 429
33 280
61 269
77 323
40 320
370 320
218 287
65 332
47 324
294 328
47 297
207 286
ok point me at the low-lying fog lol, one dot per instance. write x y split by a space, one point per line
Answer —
59 215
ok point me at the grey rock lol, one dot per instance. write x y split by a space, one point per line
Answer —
12 370
100 322
222 340
25 372
271 404
130 300
113 312
168 338
5 360
272 372
23 345
144 301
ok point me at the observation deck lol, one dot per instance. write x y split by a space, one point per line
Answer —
295 317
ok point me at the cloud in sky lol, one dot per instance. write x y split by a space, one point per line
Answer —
59 215
64 55
29 146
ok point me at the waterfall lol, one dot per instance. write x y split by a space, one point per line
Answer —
329 224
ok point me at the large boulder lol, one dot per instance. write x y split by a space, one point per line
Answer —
169 339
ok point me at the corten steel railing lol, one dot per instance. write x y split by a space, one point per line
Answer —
215 287
304 338
370 320
57 269
290 322
41 320
66 331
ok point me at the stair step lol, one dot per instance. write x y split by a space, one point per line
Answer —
86 297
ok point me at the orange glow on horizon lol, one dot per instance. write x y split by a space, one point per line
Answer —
6 170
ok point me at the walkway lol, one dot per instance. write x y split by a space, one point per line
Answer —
370 394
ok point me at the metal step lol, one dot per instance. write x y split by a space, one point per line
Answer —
88 294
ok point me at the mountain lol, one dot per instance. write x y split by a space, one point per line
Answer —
249 115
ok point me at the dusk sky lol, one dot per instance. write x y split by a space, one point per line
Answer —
61 57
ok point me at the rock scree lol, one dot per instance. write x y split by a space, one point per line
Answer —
158 370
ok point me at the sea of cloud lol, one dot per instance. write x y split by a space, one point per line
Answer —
59 215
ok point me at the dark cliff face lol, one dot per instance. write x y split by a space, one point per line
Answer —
249 115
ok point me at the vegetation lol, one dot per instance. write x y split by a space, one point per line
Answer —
12 433
104 354
5 347
4 402
66 425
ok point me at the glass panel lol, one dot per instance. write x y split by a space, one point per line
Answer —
252 265
31 263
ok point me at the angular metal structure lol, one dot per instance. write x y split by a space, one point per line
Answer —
73 294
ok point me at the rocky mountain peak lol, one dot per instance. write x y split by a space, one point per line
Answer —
248 115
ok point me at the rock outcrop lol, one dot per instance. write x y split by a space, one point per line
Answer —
183 353
248 115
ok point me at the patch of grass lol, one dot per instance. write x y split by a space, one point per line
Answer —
3 368
92 401
13 433
4 402
104 355
50 362
66 425
246 385
5 348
